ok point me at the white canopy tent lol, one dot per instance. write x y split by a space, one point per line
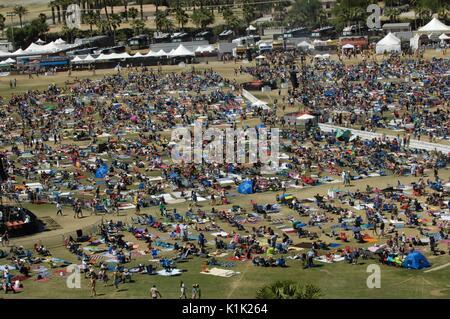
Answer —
414 42
250 28
390 43
8 61
76 59
161 53
181 51
348 46
443 37
40 41
60 41
138 55
89 59
306 117
104 57
205 49
434 26
305 44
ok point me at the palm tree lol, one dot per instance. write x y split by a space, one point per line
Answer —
125 7
102 26
138 26
133 13
115 22
141 5
423 13
181 16
105 6
91 18
392 14
20 11
288 290
2 22
162 21
53 6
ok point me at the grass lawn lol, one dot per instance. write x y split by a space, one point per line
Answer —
338 280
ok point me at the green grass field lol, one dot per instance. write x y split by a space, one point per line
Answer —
339 280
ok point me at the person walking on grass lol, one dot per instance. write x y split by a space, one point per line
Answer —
154 292
93 283
59 209
183 294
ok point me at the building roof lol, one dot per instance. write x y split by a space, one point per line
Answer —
396 25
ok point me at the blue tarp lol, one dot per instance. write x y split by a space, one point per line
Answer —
246 187
101 171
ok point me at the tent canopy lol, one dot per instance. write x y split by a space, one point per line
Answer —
415 260
205 48
434 26
389 43
348 46
250 28
246 187
443 36
180 51
306 117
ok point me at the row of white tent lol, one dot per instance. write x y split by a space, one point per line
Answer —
180 51
39 48
390 43
8 61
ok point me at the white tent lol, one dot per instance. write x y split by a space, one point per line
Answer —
60 41
8 61
389 43
306 117
137 55
18 51
160 53
414 42
76 59
305 44
205 49
33 47
443 37
348 46
181 51
434 26
123 55
89 59
39 41
4 53
103 57
250 28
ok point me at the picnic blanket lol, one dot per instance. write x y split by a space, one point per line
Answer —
226 273
173 272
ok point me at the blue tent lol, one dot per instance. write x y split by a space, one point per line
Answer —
246 187
415 260
101 171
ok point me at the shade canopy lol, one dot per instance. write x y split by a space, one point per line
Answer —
181 51
348 46
390 43
434 26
